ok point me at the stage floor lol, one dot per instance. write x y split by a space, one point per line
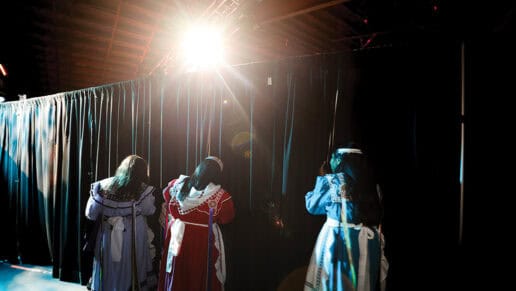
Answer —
30 277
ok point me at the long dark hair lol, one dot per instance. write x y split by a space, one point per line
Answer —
361 185
129 176
207 171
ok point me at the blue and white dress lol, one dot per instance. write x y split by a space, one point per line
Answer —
347 255
112 266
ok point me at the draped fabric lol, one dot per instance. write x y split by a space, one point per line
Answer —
41 142
268 122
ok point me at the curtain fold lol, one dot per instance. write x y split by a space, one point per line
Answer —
268 122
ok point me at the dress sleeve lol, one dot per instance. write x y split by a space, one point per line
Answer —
93 207
166 191
164 209
147 205
156 225
317 199
227 209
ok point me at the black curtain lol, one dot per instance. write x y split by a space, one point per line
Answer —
270 123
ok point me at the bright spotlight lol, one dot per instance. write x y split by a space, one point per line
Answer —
202 47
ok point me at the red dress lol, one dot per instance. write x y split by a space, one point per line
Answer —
188 269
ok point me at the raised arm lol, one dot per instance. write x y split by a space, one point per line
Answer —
317 199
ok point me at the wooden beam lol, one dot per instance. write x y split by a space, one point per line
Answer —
296 10
115 26
92 18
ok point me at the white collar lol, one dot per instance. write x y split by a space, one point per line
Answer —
195 197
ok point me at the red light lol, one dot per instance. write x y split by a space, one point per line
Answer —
366 21
278 222
435 8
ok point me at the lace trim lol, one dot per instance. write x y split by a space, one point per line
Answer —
122 197
214 200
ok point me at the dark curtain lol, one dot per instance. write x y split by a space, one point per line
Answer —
271 123
52 149
292 106
46 180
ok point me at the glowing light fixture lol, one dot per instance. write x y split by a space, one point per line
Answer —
2 70
202 47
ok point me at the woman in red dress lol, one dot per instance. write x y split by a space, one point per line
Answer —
193 252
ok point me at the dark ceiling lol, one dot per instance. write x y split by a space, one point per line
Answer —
51 46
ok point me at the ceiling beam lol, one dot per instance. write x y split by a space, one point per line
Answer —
294 8
113 32
66 33
151 38
82 58
94 19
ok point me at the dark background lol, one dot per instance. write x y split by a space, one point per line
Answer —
404 107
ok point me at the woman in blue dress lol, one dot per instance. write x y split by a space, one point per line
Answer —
348 254
123 250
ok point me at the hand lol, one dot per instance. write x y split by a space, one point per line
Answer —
323 170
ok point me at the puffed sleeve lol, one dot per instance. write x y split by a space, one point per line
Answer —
164 217
166 191
317 199
227 209
147 204
94 206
